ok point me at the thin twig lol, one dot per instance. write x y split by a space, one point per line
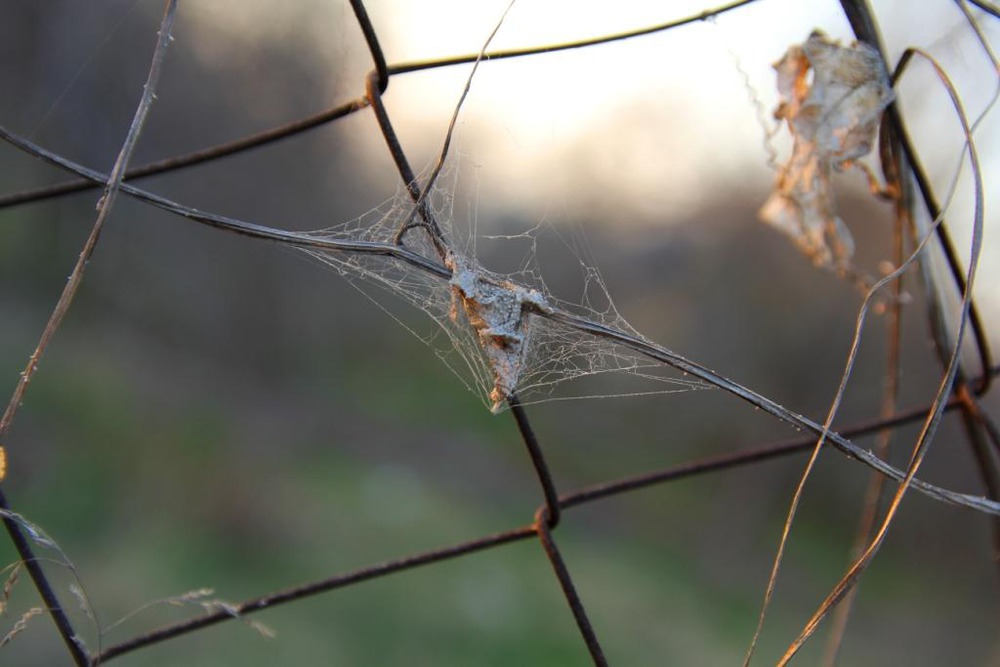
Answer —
981 432
893 165
662 354
827 424
739 458
379 79
442 158
944 388
593 493
640 345
403 165
104 207
862 21
341 110
987 7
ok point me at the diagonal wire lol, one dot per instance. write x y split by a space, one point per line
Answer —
630 341
862 21
583 496
104 207
70 638
371 39
831 415
542 471
380 79
547 518
988 7
63 625
543 525
893 166
945 387
419 205
347 108
404 168
313 588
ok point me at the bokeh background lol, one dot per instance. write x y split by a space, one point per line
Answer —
220 412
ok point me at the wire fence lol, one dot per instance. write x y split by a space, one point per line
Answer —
502 328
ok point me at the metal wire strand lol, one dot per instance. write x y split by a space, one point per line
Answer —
551 512
542 525
383 74
595 493
38 577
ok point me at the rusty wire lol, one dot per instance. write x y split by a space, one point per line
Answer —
551 510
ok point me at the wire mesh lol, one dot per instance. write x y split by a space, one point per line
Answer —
909 187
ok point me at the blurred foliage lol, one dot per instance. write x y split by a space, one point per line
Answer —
218 413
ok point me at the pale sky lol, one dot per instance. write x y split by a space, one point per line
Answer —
651 126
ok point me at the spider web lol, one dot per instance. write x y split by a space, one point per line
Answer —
490 325
548 354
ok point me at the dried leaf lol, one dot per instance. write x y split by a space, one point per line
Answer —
833 116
